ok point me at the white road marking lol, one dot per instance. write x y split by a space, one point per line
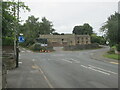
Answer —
102 69
28 51
22 51
98 71
84 66
20 62
76 61
95 69
33 59
66 60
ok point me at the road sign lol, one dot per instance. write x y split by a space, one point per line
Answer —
44 45
107 42
21 39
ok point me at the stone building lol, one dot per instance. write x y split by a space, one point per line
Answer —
67 39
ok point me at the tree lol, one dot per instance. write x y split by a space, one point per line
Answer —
83 30
62 34
46 26
31 30
111 29
9 19
78 30
98 39
87 29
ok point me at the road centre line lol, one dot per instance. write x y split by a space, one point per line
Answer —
75 60
33 59
87 67
98 71
84 66
102 69
66 60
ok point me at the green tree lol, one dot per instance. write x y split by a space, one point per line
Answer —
31 30
46 26
87 29
111 29
10 20
83 29
98 39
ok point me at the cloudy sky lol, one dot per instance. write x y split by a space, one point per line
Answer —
65 14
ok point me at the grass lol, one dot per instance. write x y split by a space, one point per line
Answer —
112 56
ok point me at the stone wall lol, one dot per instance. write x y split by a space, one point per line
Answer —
82 47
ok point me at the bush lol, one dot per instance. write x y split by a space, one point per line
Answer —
38 47
6 41
118 47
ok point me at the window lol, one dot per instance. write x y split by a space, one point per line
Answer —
86 42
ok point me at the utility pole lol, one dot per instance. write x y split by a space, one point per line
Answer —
17 46
14 33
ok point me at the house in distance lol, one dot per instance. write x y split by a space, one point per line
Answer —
66 39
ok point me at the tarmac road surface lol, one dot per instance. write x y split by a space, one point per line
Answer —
63 69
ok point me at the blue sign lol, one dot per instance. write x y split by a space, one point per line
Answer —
21 39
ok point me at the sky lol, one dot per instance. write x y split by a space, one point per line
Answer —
65 14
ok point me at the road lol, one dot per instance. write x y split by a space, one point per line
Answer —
63 69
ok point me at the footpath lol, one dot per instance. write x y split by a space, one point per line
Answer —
0 68
0 74
27 75
99 56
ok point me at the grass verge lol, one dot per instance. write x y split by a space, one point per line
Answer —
112 56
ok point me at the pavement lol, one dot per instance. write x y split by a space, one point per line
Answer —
0 74
0 68
99 55
64 69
